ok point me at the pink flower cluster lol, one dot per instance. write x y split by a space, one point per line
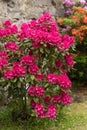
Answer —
64 82
69 60
3 55
52 111
61 80
45 30
28 60
8 29
4 62
67 42
66 99
17 71
33 69
36 91
47 100
39 109
40 77
3 59
56 99
12 46
7 23
9 74
52 78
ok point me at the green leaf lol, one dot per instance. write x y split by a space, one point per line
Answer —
46 85
36 100
18 84
32 77
80 74
15 80
21 80
41 50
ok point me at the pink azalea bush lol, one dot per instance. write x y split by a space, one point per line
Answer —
33 64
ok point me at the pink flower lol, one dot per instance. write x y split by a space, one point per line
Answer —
64 82
3 55
45 18
12 46
30 52
1 33
67 42
36 45
39 109
56 99
43 30
7 23
19 71
24 26
33 24
52 78
39 91
16 65
59 64
31 91
32 103
82 2
7 32
64 72
47 100
42 115
69 60
66 99
40 77
27 60
14 29
9 74
4 62
33 69
52 112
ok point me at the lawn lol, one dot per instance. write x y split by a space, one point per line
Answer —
73 118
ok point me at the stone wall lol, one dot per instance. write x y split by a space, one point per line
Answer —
24 10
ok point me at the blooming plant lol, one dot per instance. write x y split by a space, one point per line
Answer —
69 4
34 61
76 25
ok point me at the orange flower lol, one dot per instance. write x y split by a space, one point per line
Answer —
74 31
80 10
76 18
60 21
83 29
85 20
81 39
79 34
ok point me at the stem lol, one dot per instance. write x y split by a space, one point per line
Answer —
25 104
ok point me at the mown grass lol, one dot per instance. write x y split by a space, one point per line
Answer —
73 118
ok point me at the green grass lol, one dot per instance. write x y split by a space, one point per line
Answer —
73 118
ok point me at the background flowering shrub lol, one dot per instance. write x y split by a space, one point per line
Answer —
69 4
34 61
76 25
